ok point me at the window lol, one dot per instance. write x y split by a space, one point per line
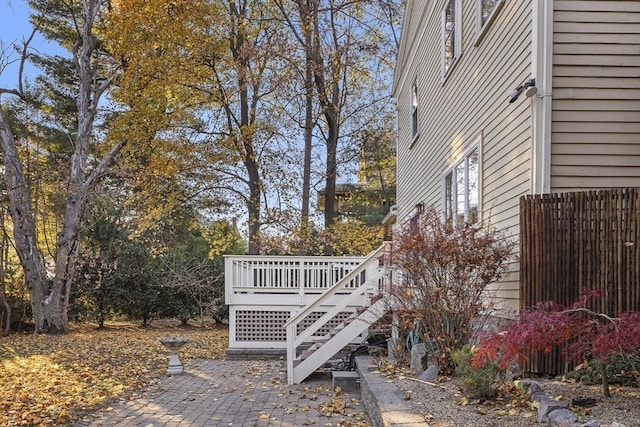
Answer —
414 108
486 11
450 34
462 190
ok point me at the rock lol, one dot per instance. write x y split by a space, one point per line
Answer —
418 357
430 374
591 423
562 418
394 347
540 396
531 386
548 406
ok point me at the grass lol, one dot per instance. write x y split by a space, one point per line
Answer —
54 380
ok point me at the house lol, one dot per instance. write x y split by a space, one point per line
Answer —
498 99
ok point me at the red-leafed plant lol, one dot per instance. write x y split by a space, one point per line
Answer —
443 273
580 332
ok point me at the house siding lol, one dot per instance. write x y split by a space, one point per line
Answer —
469 106
596 95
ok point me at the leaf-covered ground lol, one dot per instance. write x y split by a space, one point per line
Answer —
52 380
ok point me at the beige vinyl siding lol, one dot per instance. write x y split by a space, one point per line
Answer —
471 105
596 95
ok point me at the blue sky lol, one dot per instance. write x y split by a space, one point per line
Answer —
14 27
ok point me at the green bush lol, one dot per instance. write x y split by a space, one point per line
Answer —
476 383
621 369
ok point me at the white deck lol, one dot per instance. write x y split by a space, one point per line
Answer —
263 292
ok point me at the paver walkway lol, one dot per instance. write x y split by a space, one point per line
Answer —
234 393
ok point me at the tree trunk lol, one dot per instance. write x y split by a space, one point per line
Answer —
254 208
247 115
49 301
4 250
24 229
326 78
308 127
331 168
606 391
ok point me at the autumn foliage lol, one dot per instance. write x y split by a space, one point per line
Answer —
53 380
444 274
581 334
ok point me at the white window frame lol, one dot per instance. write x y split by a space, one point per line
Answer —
415 130
483 27
457 36
450 205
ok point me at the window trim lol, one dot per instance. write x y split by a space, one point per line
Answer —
450 171
483 29
457 34
415 106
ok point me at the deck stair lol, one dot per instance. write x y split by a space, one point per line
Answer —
306 350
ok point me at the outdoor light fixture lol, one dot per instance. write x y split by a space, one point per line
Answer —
529 88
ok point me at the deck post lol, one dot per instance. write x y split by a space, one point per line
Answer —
301 282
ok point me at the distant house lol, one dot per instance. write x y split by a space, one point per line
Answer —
498 99
343 193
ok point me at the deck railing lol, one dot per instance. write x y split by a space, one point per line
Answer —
264 291
255 274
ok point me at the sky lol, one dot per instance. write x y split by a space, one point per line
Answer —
14 27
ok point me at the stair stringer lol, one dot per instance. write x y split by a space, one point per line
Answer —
372 268
330 348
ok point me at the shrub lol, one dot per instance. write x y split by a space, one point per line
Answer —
580 332
621 369
476 383
443 275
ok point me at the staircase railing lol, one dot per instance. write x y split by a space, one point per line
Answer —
368 274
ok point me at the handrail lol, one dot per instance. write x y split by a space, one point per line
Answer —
335 288
293 340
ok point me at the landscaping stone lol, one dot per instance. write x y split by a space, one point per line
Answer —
392 350
540 396
548 406
562 418
430 374
418 357
531 386
591 423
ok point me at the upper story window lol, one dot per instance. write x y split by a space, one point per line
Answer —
486 8
414 108
450 34
462 190
486 11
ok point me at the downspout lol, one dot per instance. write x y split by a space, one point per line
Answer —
542 70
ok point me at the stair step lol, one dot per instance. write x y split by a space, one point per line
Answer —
308 352
323 339
337 329
348 381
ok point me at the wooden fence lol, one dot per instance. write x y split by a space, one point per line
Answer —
575 241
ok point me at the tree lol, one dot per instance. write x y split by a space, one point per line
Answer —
445 272
188 272
580 332
225 61
376 193
98 293
345 46
76 26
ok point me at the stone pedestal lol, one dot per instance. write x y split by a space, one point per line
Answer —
174 344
